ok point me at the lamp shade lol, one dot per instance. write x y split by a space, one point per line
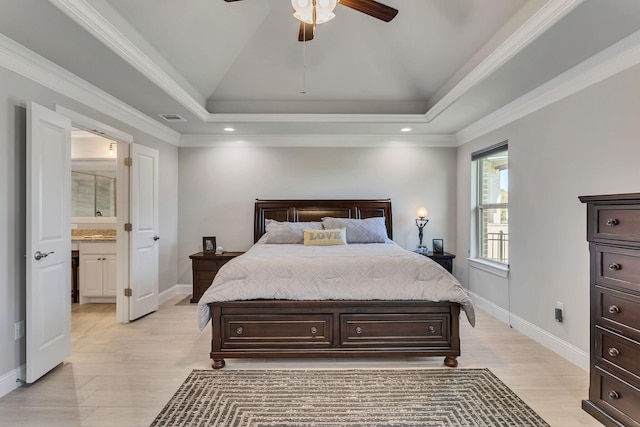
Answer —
304 10
422 212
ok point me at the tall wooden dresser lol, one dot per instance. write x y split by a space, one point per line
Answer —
613 232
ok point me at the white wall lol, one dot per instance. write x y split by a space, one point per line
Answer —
588 143
218 187
15 94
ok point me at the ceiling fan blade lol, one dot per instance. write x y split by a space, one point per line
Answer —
231 0
371 8
306 32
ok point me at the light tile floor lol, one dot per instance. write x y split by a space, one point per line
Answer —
123 375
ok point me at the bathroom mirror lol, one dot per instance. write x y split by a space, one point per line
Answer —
93 177
93 188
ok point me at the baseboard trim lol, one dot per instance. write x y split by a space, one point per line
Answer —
11 380
173 291
570 352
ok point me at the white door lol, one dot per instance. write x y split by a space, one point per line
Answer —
48 313
109 275
145 233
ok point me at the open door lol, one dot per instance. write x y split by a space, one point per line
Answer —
145 231
48 311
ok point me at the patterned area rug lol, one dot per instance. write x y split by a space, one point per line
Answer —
428 397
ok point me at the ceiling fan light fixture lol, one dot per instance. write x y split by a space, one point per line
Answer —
304 10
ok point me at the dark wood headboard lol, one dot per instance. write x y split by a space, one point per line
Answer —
314 210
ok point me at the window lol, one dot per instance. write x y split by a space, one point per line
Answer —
492 203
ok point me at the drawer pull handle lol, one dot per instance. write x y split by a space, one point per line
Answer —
613 309
239 331
432 330
612 222
358 330
314 330
613 352
614 394
614 266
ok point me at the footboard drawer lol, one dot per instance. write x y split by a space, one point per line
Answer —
381 330
281 331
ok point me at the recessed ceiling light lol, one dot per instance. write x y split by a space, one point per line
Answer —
229 129
405 130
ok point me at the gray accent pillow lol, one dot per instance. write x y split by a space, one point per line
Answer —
288 232
369 230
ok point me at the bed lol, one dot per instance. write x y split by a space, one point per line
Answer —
404 304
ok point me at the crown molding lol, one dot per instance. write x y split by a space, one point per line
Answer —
19 59
100 27
612 60
306 140
316 118
540 22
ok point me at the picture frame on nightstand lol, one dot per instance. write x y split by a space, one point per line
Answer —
209 244
438 246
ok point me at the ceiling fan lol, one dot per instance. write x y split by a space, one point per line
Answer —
312 12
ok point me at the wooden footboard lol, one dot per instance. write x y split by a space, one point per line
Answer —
276 328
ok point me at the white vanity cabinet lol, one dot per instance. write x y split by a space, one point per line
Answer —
97 272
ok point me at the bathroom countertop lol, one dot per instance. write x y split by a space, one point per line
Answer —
93 235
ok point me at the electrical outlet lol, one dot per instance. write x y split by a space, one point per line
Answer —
19 330
559 312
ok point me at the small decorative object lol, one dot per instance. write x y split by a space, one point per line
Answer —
219 250
438 246
208 244
421 221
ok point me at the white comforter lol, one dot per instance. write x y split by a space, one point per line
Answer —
372 271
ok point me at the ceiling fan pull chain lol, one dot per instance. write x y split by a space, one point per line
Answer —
304 67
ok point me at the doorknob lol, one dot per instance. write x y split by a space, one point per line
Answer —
156 238
39 255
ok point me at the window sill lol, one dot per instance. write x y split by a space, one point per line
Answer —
495 268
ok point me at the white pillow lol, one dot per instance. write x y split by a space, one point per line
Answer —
369 230
336 236
288 232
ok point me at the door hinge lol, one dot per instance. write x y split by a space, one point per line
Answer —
128 292
128 227
128 161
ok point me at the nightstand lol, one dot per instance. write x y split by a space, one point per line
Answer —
204 267
445 259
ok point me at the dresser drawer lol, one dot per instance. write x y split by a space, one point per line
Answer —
617 222
393 329
280 330
618 310
621 399
618 267
202 277
618 352
209 264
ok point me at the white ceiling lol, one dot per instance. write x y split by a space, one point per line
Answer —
437 68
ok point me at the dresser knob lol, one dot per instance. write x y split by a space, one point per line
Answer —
239 331
314 330
613 309
358 330
614 394
432 330
613 352
612 222
614 266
